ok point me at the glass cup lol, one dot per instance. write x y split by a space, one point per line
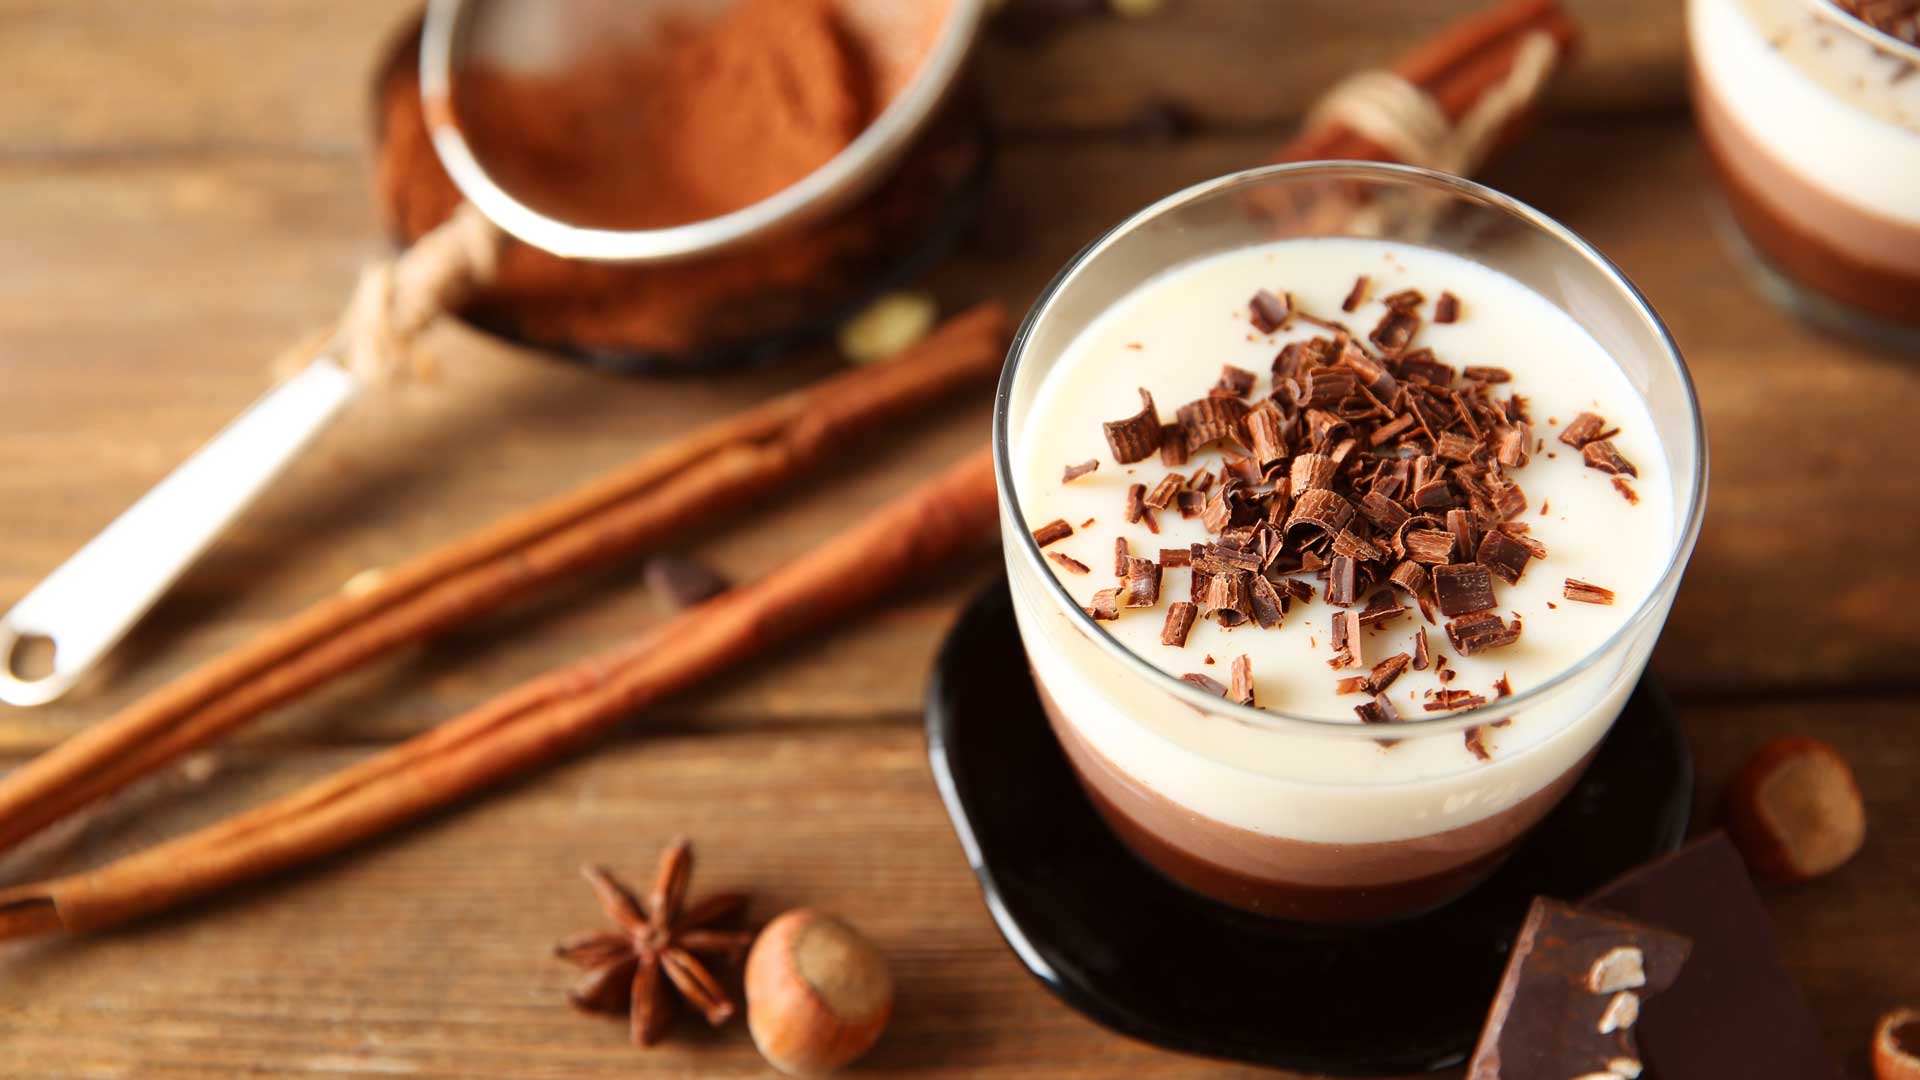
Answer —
1814 136
1171 800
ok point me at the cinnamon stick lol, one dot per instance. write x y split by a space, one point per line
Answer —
699 476
545 718
1455 67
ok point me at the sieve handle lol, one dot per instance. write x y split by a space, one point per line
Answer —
96 596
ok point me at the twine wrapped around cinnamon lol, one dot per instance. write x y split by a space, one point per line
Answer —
396 298
1450 103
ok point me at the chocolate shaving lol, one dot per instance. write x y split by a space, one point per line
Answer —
1211 419
1136 502
1218 513
1322 510
1446 700
1410 576
1462 589
1381 608
1205 682
1447 308
1075 472
1476 738
1586 592
1053 531
1222 558
1392 429
1431 546
1105 605
1235 381
1240 690
1264 432
1477 633
1460 524
1405 300
1421 655
1191 503
1584 429
1433 495
1352 545
1485 374
1340 581
1173 446
1163 493
1512 448
1180 616
1502 688
1121 553
1395 331
1227 599
1455 447
1603 455
1072 565
1378 711
1385 514
1172 557
1356 295
1503 555
1136 437
1345 640
1325 386
1140 585
1386 671
1269 608
1312 472
1620 485
1268 310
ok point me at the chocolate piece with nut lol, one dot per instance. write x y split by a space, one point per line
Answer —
1570 1000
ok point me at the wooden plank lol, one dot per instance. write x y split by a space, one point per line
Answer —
426 953
95 78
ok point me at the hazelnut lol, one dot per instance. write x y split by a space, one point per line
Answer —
818 993
1896 1046
1794 810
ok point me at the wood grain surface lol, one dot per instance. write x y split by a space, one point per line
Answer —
183 195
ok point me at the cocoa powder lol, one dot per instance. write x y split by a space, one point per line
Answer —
727 116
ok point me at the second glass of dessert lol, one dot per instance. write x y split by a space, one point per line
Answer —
1343 504
1813 127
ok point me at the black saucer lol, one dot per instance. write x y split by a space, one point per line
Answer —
1133 951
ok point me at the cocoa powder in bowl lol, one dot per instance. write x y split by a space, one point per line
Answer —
694 147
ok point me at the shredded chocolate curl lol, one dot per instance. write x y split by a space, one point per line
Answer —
1140 585
1603 455
1386 671
1395 331
1069 563
1105 605
1421 654
1075 472
1052 532
1480 632
1163 493
1447 308
1356 295
1503 555
1235 381
1378 711
1269 311
1180 616
1240 689
1136 437
1583 429
1587 592
1476 738
1211 419
1205 682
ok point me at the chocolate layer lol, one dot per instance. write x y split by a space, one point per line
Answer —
1849 253
1299 879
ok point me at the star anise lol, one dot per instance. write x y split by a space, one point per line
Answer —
657 949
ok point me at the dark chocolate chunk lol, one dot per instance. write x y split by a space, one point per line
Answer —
1268 310
1410 576
1513 446
1734 1011
1354 546
1385 514
1072 565
1136 437
1583 429
1240 689
1205 682
1462 588
1052 531
1503 555
681 581
1105 605
1356 295
1180 616
1235 381
1572 979
1447 308
1603 455
1455 447
1587 592
1075 472
1325 386
1480 632
1381 608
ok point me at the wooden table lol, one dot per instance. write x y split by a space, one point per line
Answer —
183 194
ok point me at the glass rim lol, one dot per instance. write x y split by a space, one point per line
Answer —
1278 720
